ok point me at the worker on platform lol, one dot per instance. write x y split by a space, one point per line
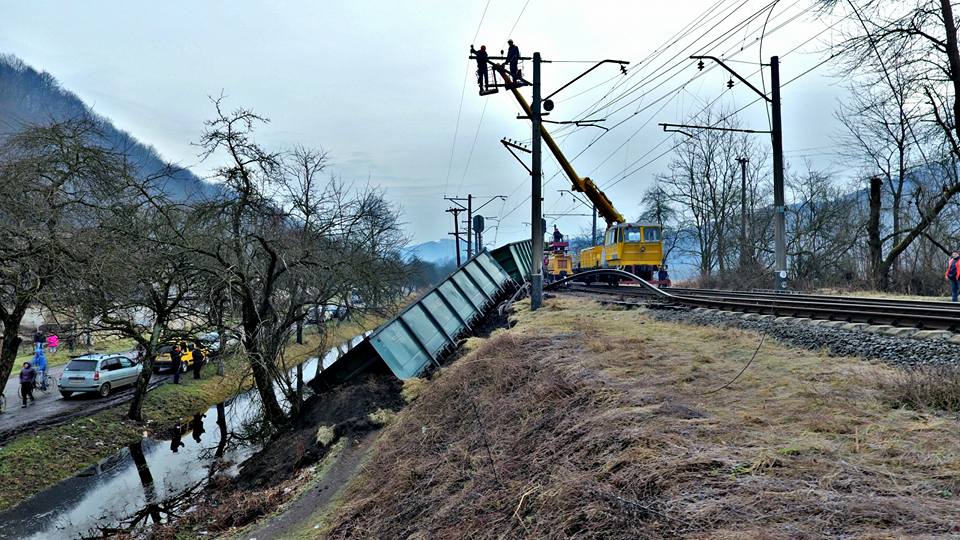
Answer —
557 237
953 274
481 57
513 57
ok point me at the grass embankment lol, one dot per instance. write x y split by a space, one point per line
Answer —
55 454
585 421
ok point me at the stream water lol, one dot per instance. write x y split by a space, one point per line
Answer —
158 467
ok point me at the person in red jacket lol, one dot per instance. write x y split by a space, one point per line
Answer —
953 274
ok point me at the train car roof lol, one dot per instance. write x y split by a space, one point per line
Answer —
618 225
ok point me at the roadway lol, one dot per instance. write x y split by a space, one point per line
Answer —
51 409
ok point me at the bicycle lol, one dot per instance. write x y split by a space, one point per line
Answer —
44 382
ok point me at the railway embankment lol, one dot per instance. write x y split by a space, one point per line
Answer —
591 420
895 345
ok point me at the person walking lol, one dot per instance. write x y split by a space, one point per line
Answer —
53 341
481 57
513 57
197 361
27 379
38 338
175 355
953 274
663 278
40 366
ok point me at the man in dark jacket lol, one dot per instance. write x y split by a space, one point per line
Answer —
513 56
197 361
175 355
28 378
953 274
481 57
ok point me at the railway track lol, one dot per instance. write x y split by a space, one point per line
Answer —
876 311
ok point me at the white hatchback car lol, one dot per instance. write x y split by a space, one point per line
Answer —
100 373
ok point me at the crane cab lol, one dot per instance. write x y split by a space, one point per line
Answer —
558 261
634 247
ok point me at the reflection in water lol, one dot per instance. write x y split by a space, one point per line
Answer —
197 426
222 425
148 480
176 439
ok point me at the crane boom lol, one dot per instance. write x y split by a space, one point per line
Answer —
584 185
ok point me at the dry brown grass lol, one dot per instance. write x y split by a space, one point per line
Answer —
590 423
921 388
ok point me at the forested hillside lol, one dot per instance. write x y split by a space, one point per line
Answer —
28 96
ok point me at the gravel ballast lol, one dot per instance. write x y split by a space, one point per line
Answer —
901 351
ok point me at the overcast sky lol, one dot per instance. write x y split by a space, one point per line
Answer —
379 85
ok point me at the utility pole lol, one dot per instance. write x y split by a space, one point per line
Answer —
744 260
776 135
536 201
456 209
456 229
469 225
593 238
779 203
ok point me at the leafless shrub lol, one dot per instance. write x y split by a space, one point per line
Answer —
928 387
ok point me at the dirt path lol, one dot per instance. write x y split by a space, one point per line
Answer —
316 499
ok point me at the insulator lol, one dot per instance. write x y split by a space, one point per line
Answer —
730 83
700 65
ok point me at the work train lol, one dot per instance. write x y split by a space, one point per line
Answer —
633 247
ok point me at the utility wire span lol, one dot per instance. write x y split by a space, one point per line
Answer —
476 136
659 73
512 28
721 120
463 89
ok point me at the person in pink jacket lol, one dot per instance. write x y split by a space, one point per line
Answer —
52 343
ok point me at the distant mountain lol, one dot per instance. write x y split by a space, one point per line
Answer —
437 251
28 96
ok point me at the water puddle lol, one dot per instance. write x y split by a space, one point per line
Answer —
129 485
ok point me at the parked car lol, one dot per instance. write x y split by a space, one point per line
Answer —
100 373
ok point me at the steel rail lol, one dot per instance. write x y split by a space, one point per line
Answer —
680 291
849 310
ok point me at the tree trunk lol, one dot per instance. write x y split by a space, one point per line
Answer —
261 377
11 340
135 412
953 55
874 242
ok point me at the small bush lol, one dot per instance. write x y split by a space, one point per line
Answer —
935 387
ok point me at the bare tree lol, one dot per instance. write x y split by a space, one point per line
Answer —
911 47
824 228
282 239
704 181
51 176
139 280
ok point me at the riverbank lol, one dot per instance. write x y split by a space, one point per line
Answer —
32 463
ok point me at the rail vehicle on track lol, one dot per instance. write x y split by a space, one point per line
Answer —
634 247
